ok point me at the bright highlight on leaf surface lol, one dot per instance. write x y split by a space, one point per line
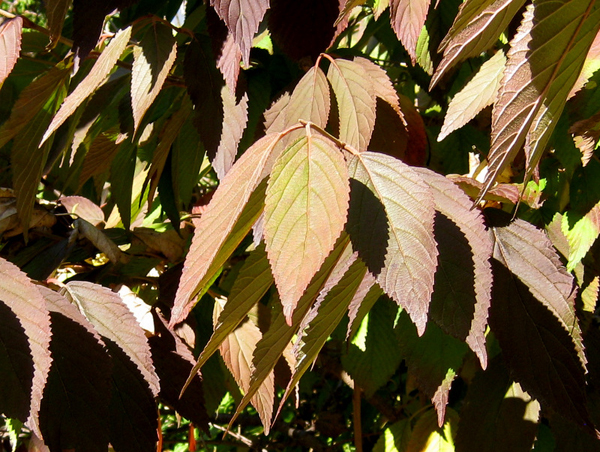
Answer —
10 45
305 210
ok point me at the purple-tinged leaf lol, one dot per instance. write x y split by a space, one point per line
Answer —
218 221
28 307
229 62
476 28
355 94
56 11
99 240
235 119
97 76
382 85
390 222
275 115
408 18
306 206
99 157
74 412
10 45
83 208
114 321
364 299
460 302
586 134
242 18
152 62
479 93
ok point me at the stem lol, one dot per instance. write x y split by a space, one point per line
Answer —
358 444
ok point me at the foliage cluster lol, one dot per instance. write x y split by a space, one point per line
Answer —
201 200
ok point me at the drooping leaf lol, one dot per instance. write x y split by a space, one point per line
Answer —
74 411
29 310
461 297
305 210
355 96
97 76
390 222
82 207
434 359
152 62
408 18
428 437
532 95
218 221
229 61
242 18
114 321
366 296
480 92
56 11
235 119
491 411
10 45
98 239
537 347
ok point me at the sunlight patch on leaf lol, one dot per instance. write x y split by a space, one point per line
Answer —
581 233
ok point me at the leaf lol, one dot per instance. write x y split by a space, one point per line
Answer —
10 45
491 410
476 28
56 11
408 18
229 61
590 66
373 355
397 241
235 119
366 296
27 308
305 210
237 350
242 18
532 96
381 83
428 437
113 321
152 62
417 147
586 134
99 157
434 359
74 411
528 254
97 76
99 240
581 233
479 93
394 438
537 348
460 301
83 208
218 220
356 102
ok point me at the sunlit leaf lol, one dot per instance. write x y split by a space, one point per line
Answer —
152 61
97 76
390 222
407 18
581 233
229 61
235 119
394 438
479 93
305 210
590 66
355 96
428 437
10 45
98 239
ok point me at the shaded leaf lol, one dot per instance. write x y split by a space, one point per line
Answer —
74 411
10 45
305 210
586 134
532 96
242 18
408 18
56 11
152 62
235 119
397 241
394 438
29 309
479 93
218 221
366 296
113 321
590 66
417 147
97 76
99 240
428 437
99 157
355 96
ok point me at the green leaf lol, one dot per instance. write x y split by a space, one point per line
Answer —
428 437
305 211
394 438
581 233
408 18
390 222
355 96
97 76
122 172
10 43
152 62
480 92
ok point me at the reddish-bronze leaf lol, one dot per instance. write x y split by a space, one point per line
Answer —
390 222
305 210
115 322
56 11
152 62
29 308
83 208
10 45
242 18
408 18
586 134
475 29
235 118
99 157
229 62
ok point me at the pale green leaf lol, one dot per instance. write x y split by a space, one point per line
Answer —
581 233
97 76
306 206
152 61
394 438
480 92
355 96
428 437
